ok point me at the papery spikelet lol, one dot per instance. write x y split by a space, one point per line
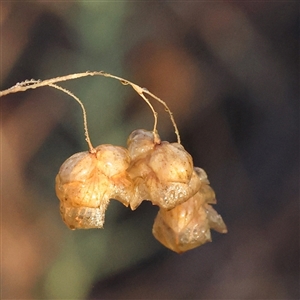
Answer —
184 227
140 142
188 225
162 172
90 180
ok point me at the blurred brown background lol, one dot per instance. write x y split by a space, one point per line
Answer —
230 73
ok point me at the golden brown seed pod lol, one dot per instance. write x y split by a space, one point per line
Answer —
171 163
87 181
162 172
187 226
141 141
184 227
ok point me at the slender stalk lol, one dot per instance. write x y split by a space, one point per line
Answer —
86 131
33 84
142 91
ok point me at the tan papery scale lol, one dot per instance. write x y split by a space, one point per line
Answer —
188 225
89 180
162 172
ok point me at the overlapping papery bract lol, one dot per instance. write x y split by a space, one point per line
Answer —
87 181
187 226
162 172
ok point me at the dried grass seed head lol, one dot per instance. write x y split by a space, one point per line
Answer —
184 227
90 180
162 173
140 141
188 225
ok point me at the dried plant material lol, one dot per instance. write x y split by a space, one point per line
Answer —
162 172
141 141
201 174
150 169
33 84
187 226
184 227
81 217
215 221
88 181
206 192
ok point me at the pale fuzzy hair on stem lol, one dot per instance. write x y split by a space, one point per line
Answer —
33 84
